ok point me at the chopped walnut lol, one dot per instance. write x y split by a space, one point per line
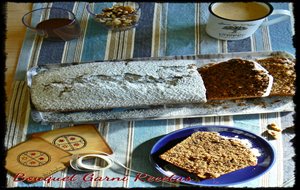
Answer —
118 16
274 134
274 127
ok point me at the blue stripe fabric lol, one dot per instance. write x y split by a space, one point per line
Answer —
70 53
208 45
51 52
239 46
179 29
143 36
163 28
248 122
56 52
91 50
117 130
95 51
65 5
187 122
258 37
34 127
142 144
281 35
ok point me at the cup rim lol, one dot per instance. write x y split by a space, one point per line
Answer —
266 3
49 8
92 13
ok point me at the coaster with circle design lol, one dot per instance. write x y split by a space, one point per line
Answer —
36 158
80 139
69 142
33 158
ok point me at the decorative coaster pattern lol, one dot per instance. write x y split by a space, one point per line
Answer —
36 158
70 142
79 139
33 158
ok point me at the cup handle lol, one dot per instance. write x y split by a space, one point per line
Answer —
285 15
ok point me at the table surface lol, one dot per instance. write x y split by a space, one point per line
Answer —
160 33
13 44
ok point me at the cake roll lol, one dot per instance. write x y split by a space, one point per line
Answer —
106 85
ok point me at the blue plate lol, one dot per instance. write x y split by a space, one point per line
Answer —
265 160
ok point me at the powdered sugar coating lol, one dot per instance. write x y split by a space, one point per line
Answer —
117 84
246 143
270 84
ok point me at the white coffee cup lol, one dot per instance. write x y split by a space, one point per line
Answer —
239 20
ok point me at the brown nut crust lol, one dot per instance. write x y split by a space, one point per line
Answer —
284 75
209 155
234 79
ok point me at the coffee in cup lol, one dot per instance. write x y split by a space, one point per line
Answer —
239 20
241 11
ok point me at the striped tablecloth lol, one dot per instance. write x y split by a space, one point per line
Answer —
165 29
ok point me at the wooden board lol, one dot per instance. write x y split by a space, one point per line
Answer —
13 43
80 139
35 158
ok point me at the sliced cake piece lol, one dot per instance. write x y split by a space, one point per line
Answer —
209 155
235 79
283 71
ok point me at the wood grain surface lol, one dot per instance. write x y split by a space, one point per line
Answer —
36 158
80 139
14 39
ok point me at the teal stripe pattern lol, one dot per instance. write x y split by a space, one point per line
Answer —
73 45
95 33
180 29
208 45
118 131
142 144
165 29
143 34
